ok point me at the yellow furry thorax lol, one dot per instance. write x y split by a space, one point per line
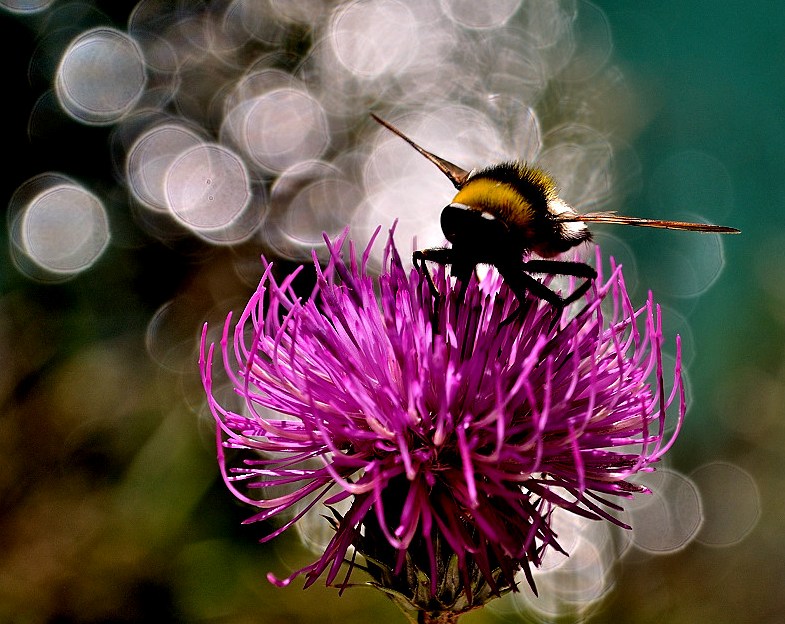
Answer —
498 198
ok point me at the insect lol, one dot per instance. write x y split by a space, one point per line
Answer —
503 213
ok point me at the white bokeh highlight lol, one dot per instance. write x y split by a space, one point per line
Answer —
370 39
25 6
207 187
101 76
278 129
570 585
731 502
668 519
150 158
58 228
472 14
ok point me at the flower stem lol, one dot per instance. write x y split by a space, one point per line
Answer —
437 617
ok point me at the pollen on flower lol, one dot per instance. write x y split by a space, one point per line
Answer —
448 438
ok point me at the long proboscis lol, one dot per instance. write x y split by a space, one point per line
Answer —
607 217
456 174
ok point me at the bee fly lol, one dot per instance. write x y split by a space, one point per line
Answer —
503 213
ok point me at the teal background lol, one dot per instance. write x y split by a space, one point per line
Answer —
712 75
110 505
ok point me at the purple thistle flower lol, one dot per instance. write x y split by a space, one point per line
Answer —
451 437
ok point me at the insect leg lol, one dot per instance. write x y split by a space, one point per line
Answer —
439 255
564 267
520 282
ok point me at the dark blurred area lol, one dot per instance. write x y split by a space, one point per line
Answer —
112 508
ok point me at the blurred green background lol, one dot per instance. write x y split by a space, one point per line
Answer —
111 506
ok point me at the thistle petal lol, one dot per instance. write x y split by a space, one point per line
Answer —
451 437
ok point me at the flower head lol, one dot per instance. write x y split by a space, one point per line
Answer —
451 436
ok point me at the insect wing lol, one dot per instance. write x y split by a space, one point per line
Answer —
609 217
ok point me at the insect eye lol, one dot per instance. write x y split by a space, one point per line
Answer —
462 223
